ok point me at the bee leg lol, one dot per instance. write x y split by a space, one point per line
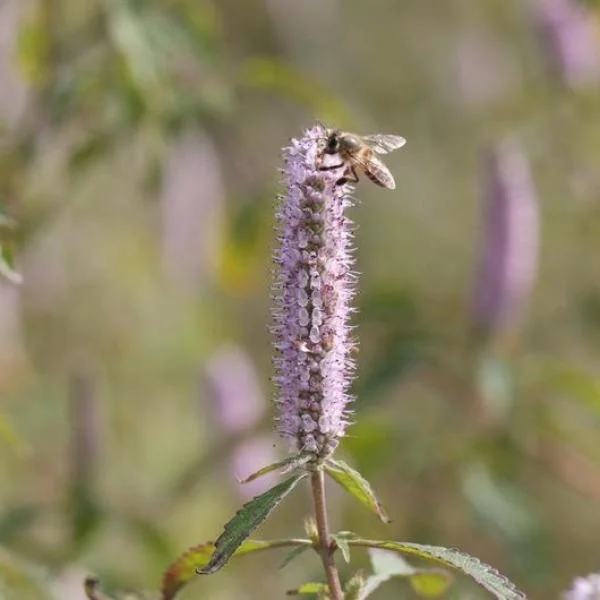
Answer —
329 167
346 178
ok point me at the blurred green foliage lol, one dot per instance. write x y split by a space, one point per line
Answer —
492 448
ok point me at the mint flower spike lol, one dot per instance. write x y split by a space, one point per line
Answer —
584 588
571 38
313 288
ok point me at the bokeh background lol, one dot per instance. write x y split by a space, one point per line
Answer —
139 164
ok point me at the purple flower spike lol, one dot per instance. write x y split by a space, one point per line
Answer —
239 406
313 287
572 40
233 386
584 588
511 239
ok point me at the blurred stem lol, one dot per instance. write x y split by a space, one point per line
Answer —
327 546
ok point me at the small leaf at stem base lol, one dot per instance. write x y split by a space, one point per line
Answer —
356 485
287 465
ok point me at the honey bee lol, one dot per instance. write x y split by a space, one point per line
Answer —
359 152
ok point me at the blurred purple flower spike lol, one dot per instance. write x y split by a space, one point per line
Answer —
508 268
239 405
238 401
192 206
584 588
572 40
313 287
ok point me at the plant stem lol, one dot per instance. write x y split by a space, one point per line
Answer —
327 548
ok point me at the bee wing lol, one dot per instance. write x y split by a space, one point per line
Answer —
383 143
376 170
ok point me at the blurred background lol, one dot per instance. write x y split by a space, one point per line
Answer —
139 154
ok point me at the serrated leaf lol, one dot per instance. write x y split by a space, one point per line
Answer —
293 554
184 569
246 520
488 577
310 589
287 465
356 485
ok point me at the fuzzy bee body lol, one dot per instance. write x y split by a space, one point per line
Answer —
359 152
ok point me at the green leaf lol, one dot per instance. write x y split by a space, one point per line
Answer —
291 463
186 566
356 485
7 263
293 554
246 520
488 577
430 583
387 565
184 569
342 544
311 589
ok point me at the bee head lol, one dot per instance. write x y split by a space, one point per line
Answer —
332 145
